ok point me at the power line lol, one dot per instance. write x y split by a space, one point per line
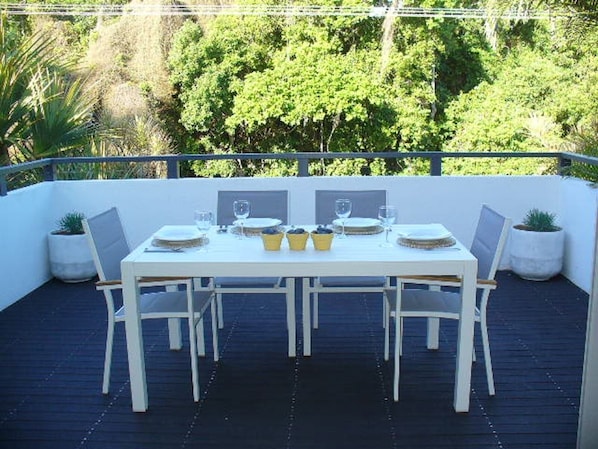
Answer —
271 10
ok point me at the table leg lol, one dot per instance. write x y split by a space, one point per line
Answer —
306 312
291 317
465 341
134 339
174 327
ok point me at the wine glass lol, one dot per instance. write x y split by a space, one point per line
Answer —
203 221
241 209
387 215
342 209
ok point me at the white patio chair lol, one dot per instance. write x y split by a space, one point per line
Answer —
109 246
434 303
264 204
365 203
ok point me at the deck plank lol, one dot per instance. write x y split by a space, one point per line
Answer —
52 344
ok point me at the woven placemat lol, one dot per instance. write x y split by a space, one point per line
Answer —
191 243
358 231
426 244
251 232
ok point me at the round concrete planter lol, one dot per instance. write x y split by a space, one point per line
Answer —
70 257
536 256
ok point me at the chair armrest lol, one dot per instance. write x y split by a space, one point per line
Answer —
446 281
143 282
108 285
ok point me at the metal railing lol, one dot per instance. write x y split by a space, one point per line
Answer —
49 166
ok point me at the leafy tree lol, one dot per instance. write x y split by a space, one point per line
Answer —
534 99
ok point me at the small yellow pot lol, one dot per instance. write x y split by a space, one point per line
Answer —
322 242
297 242
272 241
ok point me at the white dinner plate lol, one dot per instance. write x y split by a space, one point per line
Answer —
258 223
427 234
177 234
357 222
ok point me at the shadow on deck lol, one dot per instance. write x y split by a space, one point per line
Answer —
51 355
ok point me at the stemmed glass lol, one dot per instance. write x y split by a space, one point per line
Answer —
203 221
387 215
342 209
241 209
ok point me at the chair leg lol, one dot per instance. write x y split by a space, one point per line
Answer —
397 356
194 359
220 310
487 358
316 307
200 338
108 355
214 331
386 314
433 333
174 334
175 337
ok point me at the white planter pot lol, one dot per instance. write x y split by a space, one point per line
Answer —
70 258
537 256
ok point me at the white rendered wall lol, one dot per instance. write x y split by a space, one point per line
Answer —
25 219
27 215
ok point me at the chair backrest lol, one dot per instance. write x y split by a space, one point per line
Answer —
264 204
107 242
489 241
365 203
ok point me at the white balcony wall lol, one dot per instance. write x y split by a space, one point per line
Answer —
145 205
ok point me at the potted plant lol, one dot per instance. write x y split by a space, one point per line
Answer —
322 238
537 246
297 238
70 256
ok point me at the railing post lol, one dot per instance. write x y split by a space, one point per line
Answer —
172 168
564 164
435 165
50 171
3 186
303 166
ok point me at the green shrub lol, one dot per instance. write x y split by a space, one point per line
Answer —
71 223
540 221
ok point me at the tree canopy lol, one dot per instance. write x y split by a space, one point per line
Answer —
326 84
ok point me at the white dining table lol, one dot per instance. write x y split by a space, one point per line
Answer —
356 255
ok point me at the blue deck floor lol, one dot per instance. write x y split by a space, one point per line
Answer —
52 343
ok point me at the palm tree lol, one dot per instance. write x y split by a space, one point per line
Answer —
40 113
60 116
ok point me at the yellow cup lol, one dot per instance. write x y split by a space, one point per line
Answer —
297 242
322 242
272 241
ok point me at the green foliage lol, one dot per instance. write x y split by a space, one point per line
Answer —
536 97
320 84
60 116
307 84
71 223
584 141
540 221
331 84
41 113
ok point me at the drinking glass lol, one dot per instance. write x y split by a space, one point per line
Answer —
203 221
387 215
241 209
342 209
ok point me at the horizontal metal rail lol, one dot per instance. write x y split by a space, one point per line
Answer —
173 161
